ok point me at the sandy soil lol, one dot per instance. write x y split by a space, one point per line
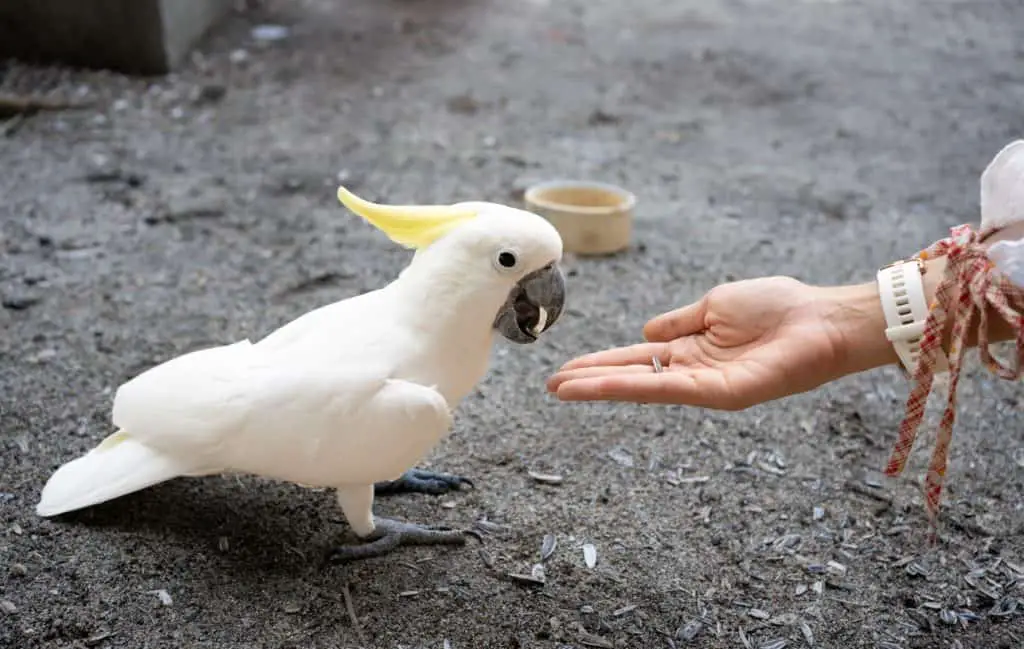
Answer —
817 139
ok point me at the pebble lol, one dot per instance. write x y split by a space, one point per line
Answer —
590 555
163 596
19 302
545 478
8 606
836 568
621 457
270 32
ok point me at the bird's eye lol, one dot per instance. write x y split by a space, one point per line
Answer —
507 259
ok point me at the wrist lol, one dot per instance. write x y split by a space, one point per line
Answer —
855 315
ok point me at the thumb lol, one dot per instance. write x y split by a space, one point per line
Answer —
684 321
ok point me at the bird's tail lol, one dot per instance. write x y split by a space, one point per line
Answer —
118 466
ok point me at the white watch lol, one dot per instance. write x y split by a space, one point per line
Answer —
906 309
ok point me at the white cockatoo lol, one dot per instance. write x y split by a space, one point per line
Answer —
350 395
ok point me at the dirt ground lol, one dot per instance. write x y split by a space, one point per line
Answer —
811 138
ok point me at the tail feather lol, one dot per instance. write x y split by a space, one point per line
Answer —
119 466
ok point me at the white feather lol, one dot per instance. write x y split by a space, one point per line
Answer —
106 473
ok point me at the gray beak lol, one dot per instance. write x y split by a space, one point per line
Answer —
533 305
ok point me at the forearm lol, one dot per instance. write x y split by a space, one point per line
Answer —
856 313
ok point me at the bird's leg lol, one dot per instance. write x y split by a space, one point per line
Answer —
383 535
422 481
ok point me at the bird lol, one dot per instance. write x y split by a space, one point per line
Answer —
351 395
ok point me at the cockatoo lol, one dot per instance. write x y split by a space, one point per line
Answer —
351 395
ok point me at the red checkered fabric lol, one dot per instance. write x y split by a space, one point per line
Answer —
970 283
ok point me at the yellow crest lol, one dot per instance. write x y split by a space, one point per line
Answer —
412 226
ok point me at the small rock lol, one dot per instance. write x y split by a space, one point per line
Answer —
590 555
689 632
621 456
819 513
758 614
8 606
525 579
43 356
463 105
537 572
808 635
836 568
97 638
601 118
19 569
270 32
19 302
239 56
590 640
545 478
291 608
915 569
163 596
547 547
210 93
189 210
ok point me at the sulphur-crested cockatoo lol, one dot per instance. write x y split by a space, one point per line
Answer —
350 395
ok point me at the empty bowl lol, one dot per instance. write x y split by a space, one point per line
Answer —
593 218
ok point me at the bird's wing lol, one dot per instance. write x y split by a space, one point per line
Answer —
303 420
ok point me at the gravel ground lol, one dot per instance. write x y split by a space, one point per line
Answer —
817 139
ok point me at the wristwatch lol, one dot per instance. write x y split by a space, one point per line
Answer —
901 290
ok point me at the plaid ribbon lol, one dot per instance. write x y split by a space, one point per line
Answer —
970 284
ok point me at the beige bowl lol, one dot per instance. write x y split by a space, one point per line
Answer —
593 218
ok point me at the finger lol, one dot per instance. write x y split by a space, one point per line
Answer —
589 372
684 321
639 354
704 389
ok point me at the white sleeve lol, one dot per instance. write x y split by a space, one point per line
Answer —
1002 203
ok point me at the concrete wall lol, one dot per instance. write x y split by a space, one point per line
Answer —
132 36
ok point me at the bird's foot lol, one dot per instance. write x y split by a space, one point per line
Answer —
389 534
421 481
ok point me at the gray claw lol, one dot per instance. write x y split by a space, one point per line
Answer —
390 534
422 481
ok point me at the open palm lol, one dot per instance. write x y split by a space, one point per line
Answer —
743 343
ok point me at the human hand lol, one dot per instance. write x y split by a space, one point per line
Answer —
742 344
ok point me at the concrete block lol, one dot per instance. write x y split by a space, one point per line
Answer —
131 36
